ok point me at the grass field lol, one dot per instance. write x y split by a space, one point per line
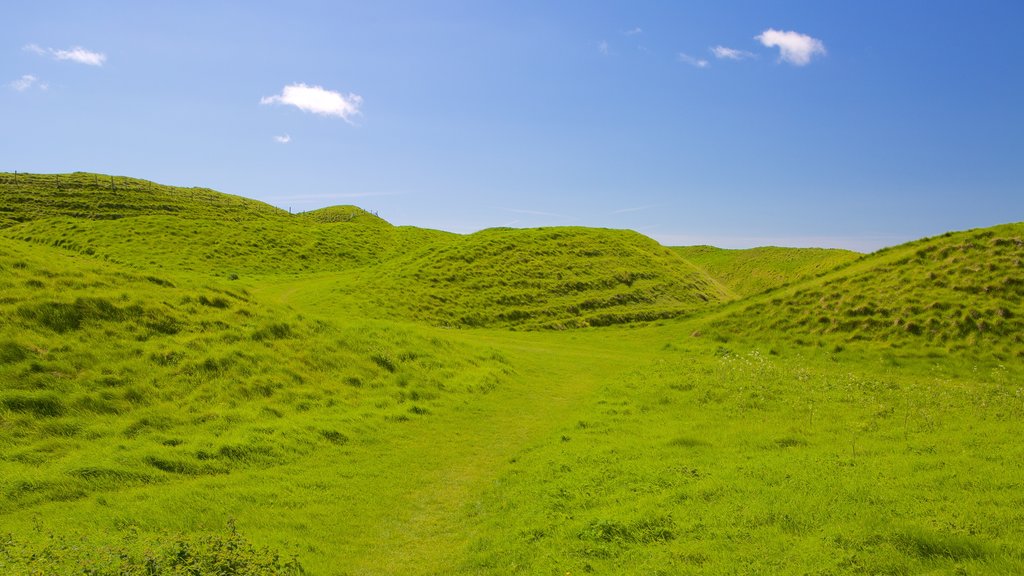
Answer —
198 384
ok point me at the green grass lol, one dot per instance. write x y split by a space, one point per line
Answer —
747 272
237 390
960 292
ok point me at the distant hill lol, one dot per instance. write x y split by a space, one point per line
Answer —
533 278
959 290
560 277
752 271
27 197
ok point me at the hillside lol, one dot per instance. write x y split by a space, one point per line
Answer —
90 196
220 387
755 270
220 248
533 278
170 379
961 290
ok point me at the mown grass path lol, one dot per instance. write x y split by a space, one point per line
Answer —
459 456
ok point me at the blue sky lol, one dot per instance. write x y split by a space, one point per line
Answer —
801 123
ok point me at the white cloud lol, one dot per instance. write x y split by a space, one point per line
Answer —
318 100
25 82
283 139
602 47
80 55
795 48
634 31
76 54
696 62
724 53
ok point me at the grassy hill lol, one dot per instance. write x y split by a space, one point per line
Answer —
755 270
171 378
540 278
27 197
534 278
159 415
958 291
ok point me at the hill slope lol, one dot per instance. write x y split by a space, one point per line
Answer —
172 379
101 197
541 278
752 271
958 290
535 278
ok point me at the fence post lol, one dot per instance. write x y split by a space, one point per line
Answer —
112 187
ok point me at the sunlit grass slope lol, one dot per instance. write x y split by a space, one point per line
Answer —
98 196
754 270
221 248
958 291
534 278
112 379
731 460
160 416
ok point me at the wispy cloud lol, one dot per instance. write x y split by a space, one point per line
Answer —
602 47
725 53
318 100
334 196
75 54
634 31
537 213
26 82
695 62
283 139
795 48
633 209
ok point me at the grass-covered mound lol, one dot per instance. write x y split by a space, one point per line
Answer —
535 278
961 290
346 214
28 197
223 248
755 270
